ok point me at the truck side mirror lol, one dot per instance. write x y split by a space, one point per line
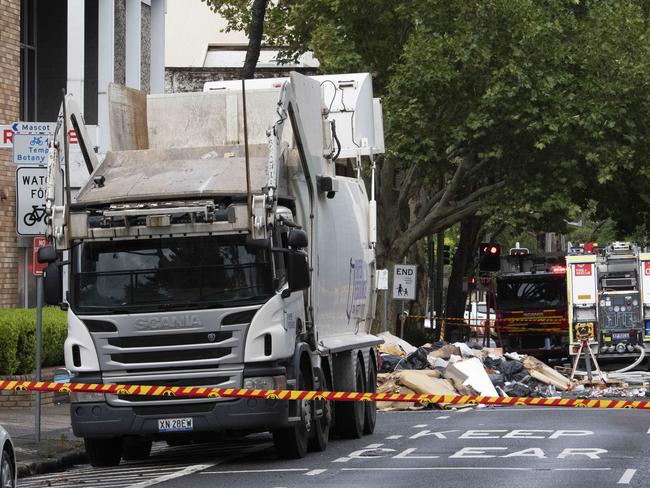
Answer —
52 283
297 239
46 254
298 270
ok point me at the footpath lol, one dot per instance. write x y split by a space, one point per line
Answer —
58 449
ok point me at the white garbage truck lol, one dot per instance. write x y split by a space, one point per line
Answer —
226 240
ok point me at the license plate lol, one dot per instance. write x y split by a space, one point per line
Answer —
175 425
620 336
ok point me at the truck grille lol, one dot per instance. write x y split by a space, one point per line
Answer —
169 340
170 356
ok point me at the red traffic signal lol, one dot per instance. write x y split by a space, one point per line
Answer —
489 257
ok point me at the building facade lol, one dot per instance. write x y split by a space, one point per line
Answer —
199 50
77 46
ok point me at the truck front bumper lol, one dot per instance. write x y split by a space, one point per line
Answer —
99 419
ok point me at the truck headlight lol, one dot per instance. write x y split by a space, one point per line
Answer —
86 397
265 383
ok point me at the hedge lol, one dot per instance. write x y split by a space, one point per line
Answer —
18 339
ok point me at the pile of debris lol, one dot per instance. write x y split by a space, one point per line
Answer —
461 369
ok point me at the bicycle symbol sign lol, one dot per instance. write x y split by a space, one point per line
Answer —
31 184
36 215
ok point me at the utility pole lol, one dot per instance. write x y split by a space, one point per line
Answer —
430 275
440 269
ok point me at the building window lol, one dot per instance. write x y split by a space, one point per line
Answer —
28 59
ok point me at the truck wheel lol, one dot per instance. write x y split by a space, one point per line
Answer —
371 407
350 416
103 452
321 434
136 448
292 442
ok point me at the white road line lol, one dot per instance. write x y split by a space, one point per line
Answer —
314 472
249 471
465 468
393 437
373 446
442 417
627 477
648 430
419 426
341 460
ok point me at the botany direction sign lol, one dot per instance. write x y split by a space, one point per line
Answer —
404 281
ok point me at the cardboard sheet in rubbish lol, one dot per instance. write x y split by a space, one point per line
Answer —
546 374
392 349
421 382
476 376
391 339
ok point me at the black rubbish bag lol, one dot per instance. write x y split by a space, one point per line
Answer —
415 360
388 363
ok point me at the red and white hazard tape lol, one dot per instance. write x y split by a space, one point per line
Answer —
205 392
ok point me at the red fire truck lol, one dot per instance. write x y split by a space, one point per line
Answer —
531 305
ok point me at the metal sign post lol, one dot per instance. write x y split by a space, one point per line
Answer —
39 347
404 281
382 284
37 269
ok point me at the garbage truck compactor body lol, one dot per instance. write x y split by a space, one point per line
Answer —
226 240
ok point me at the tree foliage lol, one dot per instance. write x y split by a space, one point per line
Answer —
520 112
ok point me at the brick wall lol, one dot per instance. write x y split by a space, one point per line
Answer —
27 399
9 112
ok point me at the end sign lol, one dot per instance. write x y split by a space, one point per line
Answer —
404 282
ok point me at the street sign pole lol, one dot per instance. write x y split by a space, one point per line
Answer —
39 347
385 329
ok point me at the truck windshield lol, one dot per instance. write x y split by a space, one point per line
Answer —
168 273
531 293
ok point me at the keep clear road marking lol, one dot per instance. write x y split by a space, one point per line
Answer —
627 477
197 468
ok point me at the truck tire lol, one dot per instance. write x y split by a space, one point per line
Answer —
349 416
103 453
371 407
321 433
292 442
136 448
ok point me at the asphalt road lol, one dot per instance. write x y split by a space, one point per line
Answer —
530 447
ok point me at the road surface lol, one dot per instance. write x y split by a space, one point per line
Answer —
530 447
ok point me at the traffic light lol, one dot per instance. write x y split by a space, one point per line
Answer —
446 253
489 258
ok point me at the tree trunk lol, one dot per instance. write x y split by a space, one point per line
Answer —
255 38
463 262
